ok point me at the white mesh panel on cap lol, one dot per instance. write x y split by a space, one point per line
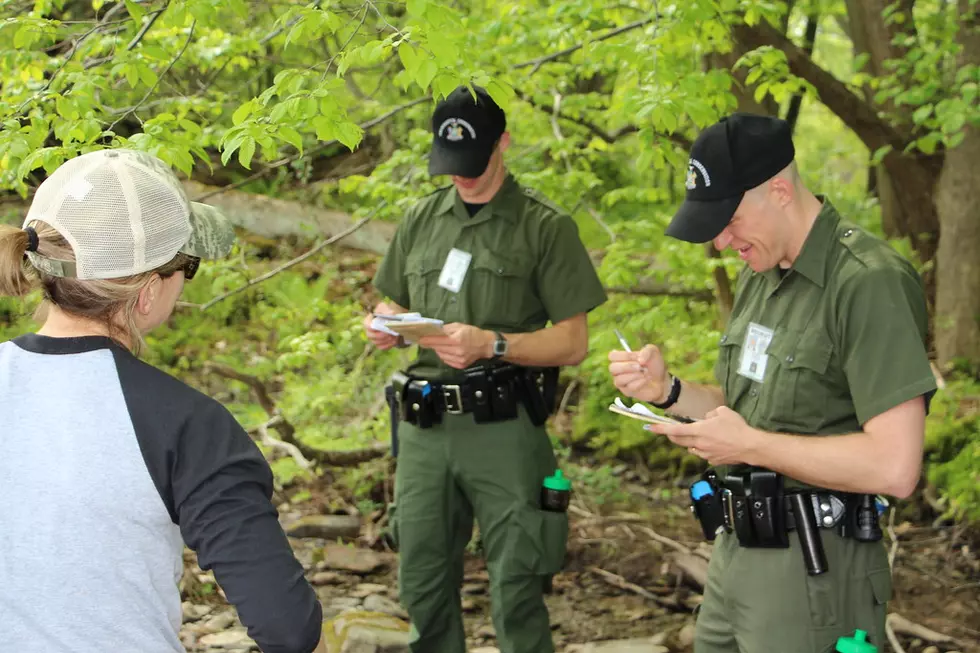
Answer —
165 218
98 222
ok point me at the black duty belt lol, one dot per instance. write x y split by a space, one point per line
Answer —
491 393
754 506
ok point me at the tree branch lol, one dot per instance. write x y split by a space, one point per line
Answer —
858 115
296 261
287 431
190 35
540 61
319 148
609 137
655 290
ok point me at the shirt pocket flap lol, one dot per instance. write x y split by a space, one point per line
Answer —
503 265
793 350
424 262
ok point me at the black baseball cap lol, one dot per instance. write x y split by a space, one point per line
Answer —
734 155
464 132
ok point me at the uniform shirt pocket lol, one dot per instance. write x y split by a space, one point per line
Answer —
797 393
422 271
501 292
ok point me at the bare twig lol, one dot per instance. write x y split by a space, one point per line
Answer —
540 61
287 431
618 581
902 625
892 639
190 36
567 395
291 449
146 28
894 537
598 218
288 264
674 544
663 291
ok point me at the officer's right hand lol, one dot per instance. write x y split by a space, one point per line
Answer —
640 374
380 339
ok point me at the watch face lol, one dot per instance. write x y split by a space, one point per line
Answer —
500 347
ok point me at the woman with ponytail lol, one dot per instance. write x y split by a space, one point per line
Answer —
108 466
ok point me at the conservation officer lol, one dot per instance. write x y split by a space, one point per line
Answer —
506 272
824 386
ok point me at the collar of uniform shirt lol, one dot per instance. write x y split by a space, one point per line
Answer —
507 192
813 257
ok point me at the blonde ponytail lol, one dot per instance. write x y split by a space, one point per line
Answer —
17 277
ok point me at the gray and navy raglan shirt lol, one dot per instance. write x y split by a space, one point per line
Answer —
108 466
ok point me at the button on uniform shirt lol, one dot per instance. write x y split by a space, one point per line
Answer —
528 265
846 329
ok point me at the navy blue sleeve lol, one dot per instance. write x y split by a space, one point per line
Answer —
217 486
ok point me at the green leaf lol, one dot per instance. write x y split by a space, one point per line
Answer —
754 75
928 143
880 154
147 75
349 134
230 147
501 93
410 59
246 151
325 128
425 73
134 11
920 115
242 112
416 7
132 75
760 91
292 137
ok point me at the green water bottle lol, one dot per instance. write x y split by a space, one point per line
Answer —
555 492
857 644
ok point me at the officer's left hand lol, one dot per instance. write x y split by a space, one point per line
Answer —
462 345
721 438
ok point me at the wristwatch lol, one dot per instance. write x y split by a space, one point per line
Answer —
499 346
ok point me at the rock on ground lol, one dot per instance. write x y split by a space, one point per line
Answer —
366 632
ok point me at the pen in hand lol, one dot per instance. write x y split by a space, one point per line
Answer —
622 340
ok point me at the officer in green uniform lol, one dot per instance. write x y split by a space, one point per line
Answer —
824 385
506 272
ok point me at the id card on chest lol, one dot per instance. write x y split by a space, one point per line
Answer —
752 364
454 270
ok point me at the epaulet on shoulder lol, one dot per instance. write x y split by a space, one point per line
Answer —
430 198
540 198
865 247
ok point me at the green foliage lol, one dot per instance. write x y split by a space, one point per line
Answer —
952 451
599 125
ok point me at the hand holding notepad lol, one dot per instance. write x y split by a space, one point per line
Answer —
410 325
640 412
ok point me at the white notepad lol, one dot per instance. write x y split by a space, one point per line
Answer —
640 412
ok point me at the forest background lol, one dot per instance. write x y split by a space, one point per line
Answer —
309 123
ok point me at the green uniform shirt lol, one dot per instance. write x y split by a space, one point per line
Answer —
528 265
847 324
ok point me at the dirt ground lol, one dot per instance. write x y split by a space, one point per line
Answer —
619 582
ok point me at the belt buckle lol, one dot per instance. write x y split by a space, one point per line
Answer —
450 393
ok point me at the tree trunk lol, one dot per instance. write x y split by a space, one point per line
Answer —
957 260
913 177
872 37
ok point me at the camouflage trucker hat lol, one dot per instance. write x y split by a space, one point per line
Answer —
123 212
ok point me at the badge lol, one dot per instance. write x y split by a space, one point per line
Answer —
454 270
753 362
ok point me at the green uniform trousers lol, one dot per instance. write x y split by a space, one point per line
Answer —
446 476
763 601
